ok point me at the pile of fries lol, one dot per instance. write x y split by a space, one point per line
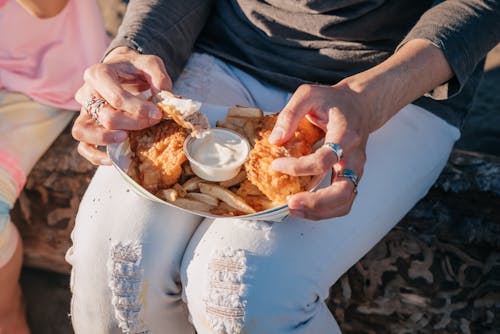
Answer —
233 197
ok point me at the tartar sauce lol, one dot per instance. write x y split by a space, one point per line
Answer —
219 149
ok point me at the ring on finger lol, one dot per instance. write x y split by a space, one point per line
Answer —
93 106
336 149
349 174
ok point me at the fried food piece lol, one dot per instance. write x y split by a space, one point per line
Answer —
157 155
184 112
274 184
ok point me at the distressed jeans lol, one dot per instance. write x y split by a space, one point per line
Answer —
142 267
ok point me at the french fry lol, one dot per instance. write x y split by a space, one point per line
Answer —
170 195
205 198
230 126
237 121
245 112
192 184
180 190
226 196
240 177
192 204
223 209
250 132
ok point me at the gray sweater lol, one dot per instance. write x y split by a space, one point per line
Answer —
290 42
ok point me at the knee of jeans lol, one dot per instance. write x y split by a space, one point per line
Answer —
240 298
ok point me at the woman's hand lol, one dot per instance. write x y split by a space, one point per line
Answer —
121 72
346 118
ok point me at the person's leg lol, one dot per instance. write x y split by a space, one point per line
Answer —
27 128
125 257
127 250
258 277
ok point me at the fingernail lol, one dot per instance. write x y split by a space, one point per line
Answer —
120 136
276 135
297 205
155 114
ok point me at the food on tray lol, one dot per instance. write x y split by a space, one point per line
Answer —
159 162
218 155
243 120
184 112
274 184
157 155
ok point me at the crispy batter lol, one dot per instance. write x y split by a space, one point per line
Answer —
157 155
274 184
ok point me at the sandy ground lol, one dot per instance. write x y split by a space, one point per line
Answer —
47 294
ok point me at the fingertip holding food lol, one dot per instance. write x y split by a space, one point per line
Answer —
276 135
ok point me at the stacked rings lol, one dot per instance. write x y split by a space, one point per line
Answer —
336 149
349 174
93 106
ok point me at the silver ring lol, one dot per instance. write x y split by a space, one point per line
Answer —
349 174
336 149
93 106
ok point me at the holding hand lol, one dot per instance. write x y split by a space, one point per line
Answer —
108 107
345 116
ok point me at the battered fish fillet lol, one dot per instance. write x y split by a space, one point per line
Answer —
276 185
157 155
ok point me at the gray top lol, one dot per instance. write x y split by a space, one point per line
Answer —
290 42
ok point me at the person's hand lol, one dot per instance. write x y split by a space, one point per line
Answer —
121 72
346 118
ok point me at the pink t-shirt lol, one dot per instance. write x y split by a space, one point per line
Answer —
45 58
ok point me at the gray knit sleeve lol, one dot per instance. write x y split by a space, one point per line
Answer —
465 30
164 28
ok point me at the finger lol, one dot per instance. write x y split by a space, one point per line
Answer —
327 201
92 154
153 69
111 118
83 93
289 118
340 194
320 215
315 163
88 131
105 80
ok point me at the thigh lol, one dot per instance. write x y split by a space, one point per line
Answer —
126 256
28 128
273 277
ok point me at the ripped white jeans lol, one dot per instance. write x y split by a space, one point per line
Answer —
141 267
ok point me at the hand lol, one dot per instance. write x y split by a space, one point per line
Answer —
345 116
121 72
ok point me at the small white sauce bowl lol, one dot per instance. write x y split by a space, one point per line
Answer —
216 173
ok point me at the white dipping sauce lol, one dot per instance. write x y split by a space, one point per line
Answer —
217 149
218 155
